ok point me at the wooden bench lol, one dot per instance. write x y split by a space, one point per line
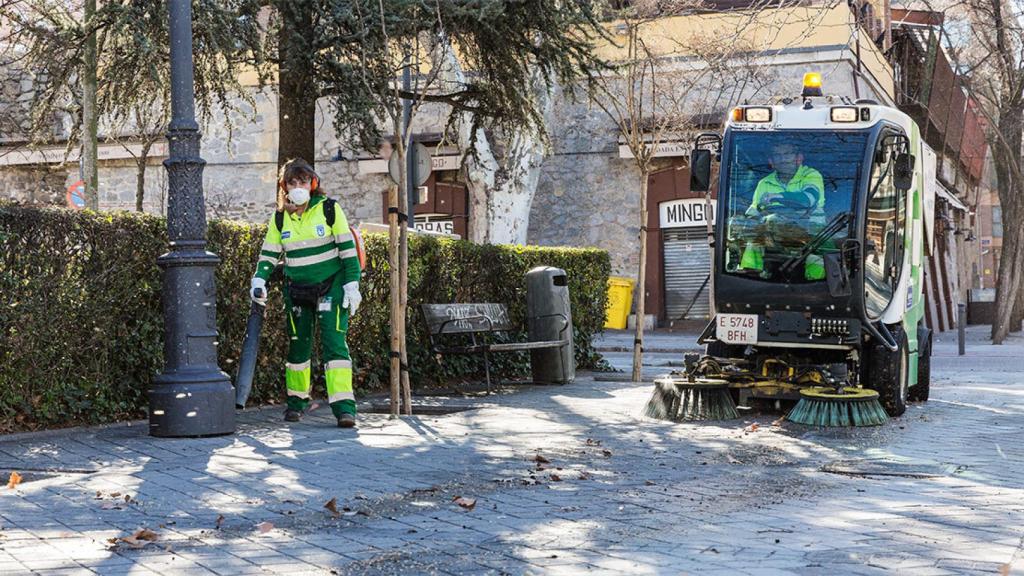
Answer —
447 323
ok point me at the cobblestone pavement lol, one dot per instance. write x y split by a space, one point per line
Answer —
565 480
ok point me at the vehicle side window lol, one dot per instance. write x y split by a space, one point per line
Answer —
884 234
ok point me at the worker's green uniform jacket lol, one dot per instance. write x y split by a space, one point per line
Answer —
313 252
806 182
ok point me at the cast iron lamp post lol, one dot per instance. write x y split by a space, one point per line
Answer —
192 396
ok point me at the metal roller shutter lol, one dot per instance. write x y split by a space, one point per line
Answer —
686 267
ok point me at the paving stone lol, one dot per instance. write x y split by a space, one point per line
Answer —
700 498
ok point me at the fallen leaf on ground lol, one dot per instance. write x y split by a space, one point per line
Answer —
264 527
467 503
141 538
220 520
648 483
332 506
14 480
607 453
752 427
541 460
556 478
592 442
779 421
115 494
127 497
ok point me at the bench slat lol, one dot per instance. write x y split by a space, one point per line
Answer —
466 318
512 346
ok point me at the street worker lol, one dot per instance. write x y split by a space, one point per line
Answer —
792 194
310 235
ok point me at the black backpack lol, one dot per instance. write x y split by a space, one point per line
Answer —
328 215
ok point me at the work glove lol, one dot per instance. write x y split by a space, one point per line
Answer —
352 297
258 291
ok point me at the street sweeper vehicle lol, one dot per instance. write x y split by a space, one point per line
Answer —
824 216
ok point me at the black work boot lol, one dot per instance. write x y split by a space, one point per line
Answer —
346 420
292 415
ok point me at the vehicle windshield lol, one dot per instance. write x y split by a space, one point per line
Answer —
789 200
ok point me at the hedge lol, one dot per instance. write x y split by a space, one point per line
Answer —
81 326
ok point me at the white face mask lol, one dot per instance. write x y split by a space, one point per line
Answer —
298 196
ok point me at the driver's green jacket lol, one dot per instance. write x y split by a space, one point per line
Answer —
804 188
805 182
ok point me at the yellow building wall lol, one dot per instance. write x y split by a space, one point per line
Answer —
765 31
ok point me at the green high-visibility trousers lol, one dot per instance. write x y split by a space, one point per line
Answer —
333 321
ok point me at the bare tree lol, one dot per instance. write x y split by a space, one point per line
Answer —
986 43
653 100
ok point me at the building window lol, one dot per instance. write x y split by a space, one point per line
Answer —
997 221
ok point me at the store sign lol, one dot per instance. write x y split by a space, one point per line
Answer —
438 163
446 226
57 154
685 213
664 150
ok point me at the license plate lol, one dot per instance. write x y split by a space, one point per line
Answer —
736 328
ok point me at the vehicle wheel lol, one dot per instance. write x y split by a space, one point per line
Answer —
919 392
886 373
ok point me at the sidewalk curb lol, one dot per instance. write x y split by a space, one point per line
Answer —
651 350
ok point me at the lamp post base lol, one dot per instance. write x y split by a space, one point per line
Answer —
191 404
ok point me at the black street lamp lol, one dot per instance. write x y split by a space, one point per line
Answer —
192 396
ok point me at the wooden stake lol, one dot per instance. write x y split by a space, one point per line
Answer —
403 203
394 269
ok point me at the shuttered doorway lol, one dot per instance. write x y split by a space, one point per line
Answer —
686 267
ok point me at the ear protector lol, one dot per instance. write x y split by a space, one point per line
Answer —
314 184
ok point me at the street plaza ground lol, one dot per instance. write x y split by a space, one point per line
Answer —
542 480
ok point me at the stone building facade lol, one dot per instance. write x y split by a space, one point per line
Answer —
588 191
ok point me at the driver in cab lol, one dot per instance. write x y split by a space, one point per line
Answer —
792 191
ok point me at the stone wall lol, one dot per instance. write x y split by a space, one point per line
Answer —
587 195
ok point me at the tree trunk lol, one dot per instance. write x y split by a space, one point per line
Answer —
501 192
1008 284
1010 277
140 175
1017 319
296 106
89 124
641 284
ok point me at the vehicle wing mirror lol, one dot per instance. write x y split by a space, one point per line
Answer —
700 170
903 174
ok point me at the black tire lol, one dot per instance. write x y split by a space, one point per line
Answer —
886 373
919 392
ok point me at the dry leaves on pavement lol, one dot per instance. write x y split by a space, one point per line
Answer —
467 503
140 539
332 506
14 480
